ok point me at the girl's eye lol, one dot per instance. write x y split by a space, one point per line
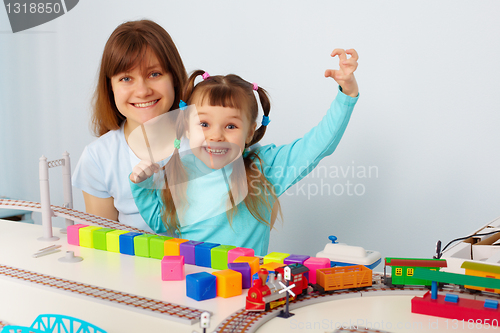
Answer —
203 124
231 126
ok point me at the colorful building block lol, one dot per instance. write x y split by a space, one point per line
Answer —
157 246
187 249
271 266
219 256
201 286
295 259
172 268
229 283
276 257
127 242
172 246
239 252
74 234
203 255
86 239
313 264
99 236
113 240
141 245
246 273
253 262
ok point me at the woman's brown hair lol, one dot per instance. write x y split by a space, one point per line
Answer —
234 92
125 49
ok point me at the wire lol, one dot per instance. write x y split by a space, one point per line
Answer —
462 238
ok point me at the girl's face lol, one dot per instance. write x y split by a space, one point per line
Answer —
217 135
144 92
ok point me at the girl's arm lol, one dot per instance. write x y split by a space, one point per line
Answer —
149 202
286 165
104 207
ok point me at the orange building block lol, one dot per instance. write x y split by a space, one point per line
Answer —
172 246
252 261
228 283
271 266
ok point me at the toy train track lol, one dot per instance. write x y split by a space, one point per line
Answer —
248 322
68 213
179 313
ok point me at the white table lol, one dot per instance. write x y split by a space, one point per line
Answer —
22 302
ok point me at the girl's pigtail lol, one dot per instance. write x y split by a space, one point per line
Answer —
266 108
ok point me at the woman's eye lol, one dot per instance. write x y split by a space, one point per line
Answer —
125 79
155 74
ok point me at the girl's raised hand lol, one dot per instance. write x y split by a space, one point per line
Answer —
345 75
143 171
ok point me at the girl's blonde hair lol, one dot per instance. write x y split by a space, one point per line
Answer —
226 91
126 48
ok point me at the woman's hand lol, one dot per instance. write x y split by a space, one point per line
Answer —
345 75
143 171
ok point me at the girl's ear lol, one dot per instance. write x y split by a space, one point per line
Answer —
251 132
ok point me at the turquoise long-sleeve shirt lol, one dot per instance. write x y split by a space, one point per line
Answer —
207 192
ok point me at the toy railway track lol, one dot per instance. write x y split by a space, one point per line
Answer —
179 313
68 213
248 322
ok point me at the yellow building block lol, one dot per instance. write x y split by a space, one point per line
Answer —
85 234
228 283
172 246
252 261
272 266
113 240
276 257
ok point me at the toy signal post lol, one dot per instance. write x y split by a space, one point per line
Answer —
287 289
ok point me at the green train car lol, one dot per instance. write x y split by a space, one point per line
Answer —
402 270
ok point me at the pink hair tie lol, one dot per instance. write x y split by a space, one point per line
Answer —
205 76
255 86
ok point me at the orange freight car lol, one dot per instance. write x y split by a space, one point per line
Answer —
344 277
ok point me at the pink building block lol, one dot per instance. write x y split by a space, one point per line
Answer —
239 252
172 268
316 263
73 232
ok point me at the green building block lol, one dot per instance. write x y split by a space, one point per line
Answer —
219 256
157 246
85 234
99 236
113 240
276 257
141 245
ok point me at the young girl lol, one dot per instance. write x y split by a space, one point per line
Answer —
227 111
141 76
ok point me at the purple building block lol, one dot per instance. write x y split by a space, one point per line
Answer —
295 259
244 269
187 249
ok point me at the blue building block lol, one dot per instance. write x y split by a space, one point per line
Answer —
127 242
187 249
203 256
201 286
451 298
491 304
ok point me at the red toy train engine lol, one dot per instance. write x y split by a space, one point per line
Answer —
263 296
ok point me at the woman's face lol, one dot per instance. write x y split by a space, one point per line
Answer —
143 92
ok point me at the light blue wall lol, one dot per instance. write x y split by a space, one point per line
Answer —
427 122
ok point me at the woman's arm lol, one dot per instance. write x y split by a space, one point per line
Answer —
103 207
